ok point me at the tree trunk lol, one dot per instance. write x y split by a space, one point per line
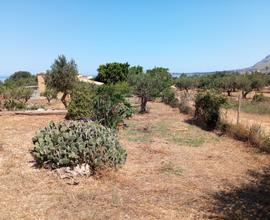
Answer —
229 92
63 100
244 94
143 105
49 101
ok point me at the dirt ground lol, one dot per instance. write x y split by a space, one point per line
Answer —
174 170
248 119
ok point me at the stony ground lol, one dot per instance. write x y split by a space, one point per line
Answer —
174 170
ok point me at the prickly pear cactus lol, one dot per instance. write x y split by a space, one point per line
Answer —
70 143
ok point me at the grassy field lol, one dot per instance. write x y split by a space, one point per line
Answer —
249 106
174 170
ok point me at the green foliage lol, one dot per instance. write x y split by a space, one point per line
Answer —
109 106
105 104
113 72
169 98
71 143
50 94
150 85
19 94
259 98
258 105
20 75
62 76
135 70
207 108
163 77
123 88
24 94
12 105
225 81
21 79
81 101
186 83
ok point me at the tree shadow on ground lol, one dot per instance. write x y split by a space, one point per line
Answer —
250 201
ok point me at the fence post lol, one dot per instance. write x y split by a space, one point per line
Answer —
238 110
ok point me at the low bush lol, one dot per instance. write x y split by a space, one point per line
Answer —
259 98
184 106
110 107
81 101
71 143
207 108
35 107
106 104
168 97
13 105
253 135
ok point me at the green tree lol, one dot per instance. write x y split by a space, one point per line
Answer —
207 108
62 76
20 75
229 83
162 75
21 78
185 83
110 107
113 72
135 70
50 94
150 85
81 103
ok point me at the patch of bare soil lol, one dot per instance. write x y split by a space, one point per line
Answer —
173 171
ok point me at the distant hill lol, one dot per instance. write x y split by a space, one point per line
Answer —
262 66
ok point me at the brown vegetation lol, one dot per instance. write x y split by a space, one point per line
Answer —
173 171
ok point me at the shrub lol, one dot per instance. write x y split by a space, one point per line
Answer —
253 135
12 105
71 143
259 98
81 101
207 106
35 106
184 106
109 107
168 97
50 94
106 104
238 131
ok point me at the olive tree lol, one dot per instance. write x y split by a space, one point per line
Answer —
62 76
150 85
50 94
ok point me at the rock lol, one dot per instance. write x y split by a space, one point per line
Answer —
79 170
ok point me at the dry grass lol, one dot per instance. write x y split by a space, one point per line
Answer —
164 177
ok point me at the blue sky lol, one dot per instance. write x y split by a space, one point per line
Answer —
182 35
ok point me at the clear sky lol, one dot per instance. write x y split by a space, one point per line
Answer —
182 35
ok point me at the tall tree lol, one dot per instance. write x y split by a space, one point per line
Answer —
62 76
150 85
135 70
112 73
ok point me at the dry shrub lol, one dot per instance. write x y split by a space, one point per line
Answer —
253 135
184 106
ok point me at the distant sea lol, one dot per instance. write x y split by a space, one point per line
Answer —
2 78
